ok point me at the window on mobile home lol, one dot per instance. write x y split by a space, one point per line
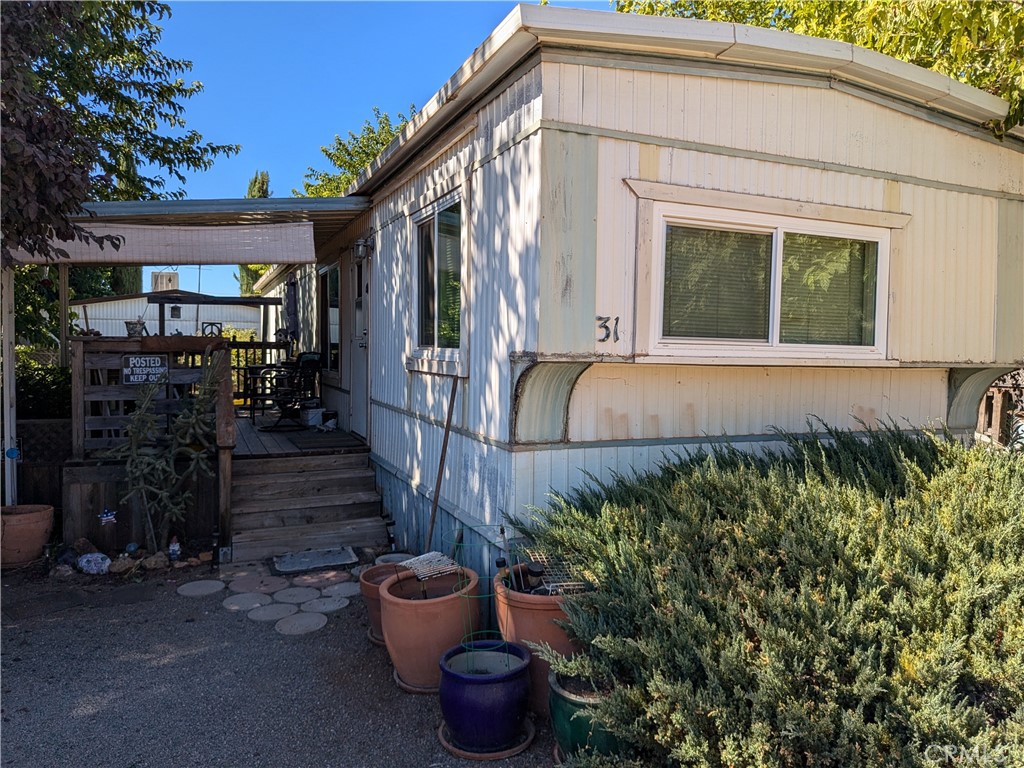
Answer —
752 283
439 262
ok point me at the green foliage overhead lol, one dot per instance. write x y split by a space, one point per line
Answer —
851 603
350 156
88 99
979 42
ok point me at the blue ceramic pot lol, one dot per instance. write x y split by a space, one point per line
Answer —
484 690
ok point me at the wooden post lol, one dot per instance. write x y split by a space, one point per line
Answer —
65 311
225 443
78 404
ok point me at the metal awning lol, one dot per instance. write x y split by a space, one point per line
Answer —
246 231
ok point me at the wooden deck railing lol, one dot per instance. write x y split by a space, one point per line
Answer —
246 354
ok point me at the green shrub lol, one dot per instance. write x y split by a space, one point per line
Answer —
850 603
44 390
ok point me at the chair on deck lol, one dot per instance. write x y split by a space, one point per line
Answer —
287 387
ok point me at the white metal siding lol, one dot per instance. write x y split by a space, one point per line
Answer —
943 280
408 409
807 121
647 414
652 402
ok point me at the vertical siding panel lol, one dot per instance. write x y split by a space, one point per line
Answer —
637 110
660 104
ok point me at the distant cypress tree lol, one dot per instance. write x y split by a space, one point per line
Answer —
259 185
126 280
248 274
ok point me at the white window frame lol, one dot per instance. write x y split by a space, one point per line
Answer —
665 214
449 361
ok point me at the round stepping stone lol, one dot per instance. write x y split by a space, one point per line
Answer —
201 588
246 601
345 589
264 584
321 579
325 604
297 595
301 623
272 612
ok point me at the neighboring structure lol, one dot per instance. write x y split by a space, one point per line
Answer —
629 236
1001 411
189 317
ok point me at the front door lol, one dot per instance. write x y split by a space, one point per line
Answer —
359 401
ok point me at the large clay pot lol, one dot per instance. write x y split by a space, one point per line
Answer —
526 618
422 619
369 585
24 531
571 722
483 693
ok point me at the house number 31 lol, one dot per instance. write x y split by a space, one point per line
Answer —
608 331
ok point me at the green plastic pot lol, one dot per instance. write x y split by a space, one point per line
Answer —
575 729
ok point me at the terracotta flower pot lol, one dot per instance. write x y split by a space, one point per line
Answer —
24 532
422 619
369 585
525 618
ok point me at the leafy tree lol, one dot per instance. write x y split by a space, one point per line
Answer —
248 274
83 87
350 156
980 42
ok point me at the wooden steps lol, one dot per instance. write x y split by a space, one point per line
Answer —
295 503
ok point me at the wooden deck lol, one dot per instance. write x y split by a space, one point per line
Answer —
252 442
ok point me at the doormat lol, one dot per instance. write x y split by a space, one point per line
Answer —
313 560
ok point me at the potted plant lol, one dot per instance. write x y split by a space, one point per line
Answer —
535 617
483 695
369 585
573 702
24 531
421 618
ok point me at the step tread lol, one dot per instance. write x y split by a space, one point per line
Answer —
314 529
290 488
277 519
369 532
286 464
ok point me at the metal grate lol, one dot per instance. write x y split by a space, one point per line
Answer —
556 580
431 564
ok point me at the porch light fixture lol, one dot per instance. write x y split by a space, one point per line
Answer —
363 248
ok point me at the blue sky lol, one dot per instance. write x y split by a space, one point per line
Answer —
283 78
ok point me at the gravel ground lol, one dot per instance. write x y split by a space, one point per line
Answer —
136 675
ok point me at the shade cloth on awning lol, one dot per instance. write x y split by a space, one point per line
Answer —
151 244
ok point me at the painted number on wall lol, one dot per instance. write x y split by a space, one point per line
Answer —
608 331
